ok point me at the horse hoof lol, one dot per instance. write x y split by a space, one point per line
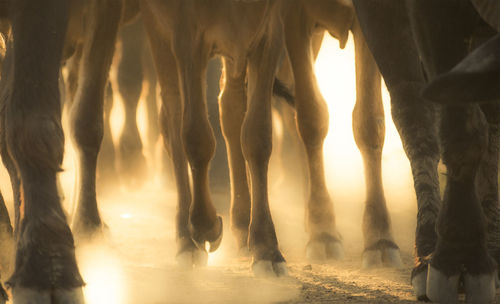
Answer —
480 288
442 288
391 257
263 269
324 250
280 269
371 259
194 257
335 250
213 243
185 260
268 269
316 251
244 252
200 258
22 295
419 283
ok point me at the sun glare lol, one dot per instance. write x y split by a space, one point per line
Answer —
344 167
103 275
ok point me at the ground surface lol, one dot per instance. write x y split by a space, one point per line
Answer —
136 264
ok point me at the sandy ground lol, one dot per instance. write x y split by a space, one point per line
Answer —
136 262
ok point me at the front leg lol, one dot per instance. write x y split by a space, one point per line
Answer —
46 270
256 137
87 111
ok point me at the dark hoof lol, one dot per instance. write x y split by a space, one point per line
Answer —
85 232
383 253
213 237
324 247
56 296
133 170
194 257
269 269
444 289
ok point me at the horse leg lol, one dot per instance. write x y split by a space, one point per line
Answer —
369 132
488 181
198 139
232 112
46 269
171 128
87 111
132 163
414 117
312 119
462 237
106 168
256 139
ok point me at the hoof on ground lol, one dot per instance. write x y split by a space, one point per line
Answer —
419 284
31 296
383 253
86 233
211 239
371 259
322 250
442 288
391 257
192 258
268 269
244 252
480 288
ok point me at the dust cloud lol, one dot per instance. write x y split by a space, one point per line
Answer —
135 262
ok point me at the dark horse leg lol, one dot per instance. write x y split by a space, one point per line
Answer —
131 160
87 111
46 269
443 33
387 32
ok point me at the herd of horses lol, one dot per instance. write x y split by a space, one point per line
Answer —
410 43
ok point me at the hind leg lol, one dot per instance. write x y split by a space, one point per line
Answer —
369 133
312 120
87 111
131 160
106 169
198 138
46 269
188 255
232 109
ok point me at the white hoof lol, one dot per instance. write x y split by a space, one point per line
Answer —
316 251
442 288
419 283
391 257
371 259
200 258
335 250
480 288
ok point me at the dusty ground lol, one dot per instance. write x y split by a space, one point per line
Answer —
136 263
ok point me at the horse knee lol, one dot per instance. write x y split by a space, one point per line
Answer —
313 122
36 141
